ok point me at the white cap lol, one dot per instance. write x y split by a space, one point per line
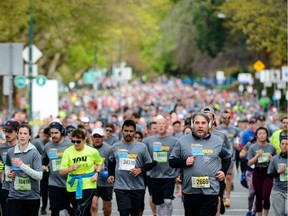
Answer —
99 131
84 119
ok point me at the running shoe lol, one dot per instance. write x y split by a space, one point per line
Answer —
227 202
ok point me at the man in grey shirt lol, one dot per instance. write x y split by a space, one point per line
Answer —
53 151
200 154
10 130
162 176
131 159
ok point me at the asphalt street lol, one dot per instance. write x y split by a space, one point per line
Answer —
239 203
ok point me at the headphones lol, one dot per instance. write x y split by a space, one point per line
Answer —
58 126
203 115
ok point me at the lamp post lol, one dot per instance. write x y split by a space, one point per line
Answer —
31 23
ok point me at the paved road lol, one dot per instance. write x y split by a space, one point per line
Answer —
238 200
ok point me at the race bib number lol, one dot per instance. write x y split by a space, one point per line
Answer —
126 163
160 157
56 164
53 153
200 182
23 184
264 157
197 149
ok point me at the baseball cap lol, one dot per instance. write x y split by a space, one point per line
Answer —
84 119
73 124
208 110
99 131
252 120
11 125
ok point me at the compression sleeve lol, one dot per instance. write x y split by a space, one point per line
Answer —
31 172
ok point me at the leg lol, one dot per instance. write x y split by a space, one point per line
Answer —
191 204
168 207
15 207
249 175
267 187
4 201
94 206
31 207
107 208
209 205
258 187
44 191
152 206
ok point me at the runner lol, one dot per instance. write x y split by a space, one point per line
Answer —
104 190
200 155
278 169
233 134
276 136
109 135
162 177
79 162
53 151
24 166
260 155
10 130
131 158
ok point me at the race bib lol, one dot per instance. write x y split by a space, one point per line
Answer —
52 153
127 163
264 157
197 149
200 182
23 184
56 164
160 157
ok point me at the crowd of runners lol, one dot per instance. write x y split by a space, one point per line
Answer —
161 136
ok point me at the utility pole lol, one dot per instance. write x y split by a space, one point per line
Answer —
31 23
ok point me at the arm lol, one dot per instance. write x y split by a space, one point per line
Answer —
65 171
37 175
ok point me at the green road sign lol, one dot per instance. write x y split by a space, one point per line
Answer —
20 81
41 80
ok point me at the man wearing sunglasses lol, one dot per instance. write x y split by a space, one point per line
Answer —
53 151
10 130
104 190
233 135
109 135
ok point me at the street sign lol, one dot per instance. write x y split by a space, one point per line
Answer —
258 65
34 70
36 54
41 80
20 81
245 78
11 61
284 73
275 75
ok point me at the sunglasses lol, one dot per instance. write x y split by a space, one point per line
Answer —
69 131
109 130
226 117
8 131
76 141
97 136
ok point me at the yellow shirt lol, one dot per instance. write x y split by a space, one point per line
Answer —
85 160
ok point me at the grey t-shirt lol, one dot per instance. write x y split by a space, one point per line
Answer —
39 144
3 151
231 131
111 140
128 156
280 182
23 186
200 177
52 156
159 149
105 151
263 160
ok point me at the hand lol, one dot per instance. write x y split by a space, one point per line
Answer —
178 179
220 176
44 168
282 168
17 162
190 160
95 177
259 152
11 174
74 167
135 171
2 166
110 179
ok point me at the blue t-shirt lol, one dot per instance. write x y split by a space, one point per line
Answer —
247 136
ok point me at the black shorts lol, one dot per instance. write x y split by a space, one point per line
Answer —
149 184
105 193
58 198
129 199
162 189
